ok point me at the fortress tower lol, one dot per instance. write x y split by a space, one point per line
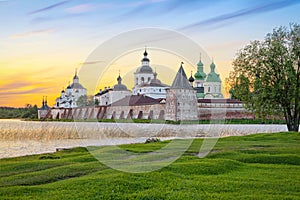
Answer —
181 100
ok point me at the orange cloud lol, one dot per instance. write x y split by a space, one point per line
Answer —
32 33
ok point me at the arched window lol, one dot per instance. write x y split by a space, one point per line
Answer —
208 89
137 80
149 79
142 79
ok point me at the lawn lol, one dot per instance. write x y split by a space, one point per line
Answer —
261 166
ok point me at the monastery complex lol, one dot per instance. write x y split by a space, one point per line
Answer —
193 98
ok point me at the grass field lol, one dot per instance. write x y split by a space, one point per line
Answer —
261 166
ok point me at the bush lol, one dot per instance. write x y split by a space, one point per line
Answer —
151 140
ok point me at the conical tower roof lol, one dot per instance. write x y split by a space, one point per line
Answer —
181 81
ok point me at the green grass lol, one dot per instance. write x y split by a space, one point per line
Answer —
261 166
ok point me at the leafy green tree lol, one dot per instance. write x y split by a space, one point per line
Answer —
97 102
82 101
266 75
91 101
29 112
85 101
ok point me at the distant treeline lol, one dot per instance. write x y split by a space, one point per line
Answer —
28 112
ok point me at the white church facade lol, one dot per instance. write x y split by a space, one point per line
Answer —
110 95
146 82
69 97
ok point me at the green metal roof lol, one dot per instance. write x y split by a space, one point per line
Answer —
200 75
212 75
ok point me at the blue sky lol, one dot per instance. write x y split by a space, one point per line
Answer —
42 41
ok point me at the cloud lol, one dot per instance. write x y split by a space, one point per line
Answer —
81 8
229 17
15 85
22 87
48 7
155 8
91 62
19 87
32 33
30 91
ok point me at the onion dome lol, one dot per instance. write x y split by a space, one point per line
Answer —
120 86
119 79
145 59
213 76
75 76
200 74
145 68
191 79
155 81
212 66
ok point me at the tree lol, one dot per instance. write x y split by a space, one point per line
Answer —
97 102
82 101
266 75
85 101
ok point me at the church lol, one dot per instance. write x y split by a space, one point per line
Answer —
190 98
68 98
146 83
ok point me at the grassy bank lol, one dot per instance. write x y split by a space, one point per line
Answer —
262 166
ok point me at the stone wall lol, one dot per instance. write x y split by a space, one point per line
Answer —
168 111
156 111
181 104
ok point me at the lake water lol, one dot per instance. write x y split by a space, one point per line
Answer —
18 138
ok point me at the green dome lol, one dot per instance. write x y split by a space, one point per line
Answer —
213 76
200 75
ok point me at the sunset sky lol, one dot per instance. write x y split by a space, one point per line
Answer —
42 42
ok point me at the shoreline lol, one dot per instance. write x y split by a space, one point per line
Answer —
27 137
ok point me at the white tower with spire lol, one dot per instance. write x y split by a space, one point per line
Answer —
146 82
144 73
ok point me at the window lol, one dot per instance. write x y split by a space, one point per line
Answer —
142 79
149 79
159 90
208 89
